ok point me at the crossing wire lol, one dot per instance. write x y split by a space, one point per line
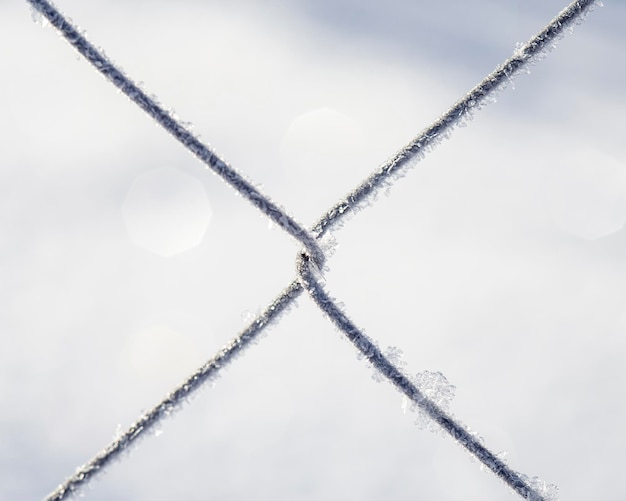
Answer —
313 259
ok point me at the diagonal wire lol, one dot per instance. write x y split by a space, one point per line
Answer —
172 402
365 345
402 160
461 110
176 129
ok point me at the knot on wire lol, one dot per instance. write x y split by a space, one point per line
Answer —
309 275
312 253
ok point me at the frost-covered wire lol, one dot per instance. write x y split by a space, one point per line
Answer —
456 114
176 129
460 111
373 354
173 401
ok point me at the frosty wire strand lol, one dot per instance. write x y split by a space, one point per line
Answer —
463 109
373 354
172 402
407 156
176 129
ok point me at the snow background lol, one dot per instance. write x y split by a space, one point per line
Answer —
499 261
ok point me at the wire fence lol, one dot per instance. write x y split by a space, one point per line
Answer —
310 262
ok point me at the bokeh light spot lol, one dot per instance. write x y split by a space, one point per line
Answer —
166 211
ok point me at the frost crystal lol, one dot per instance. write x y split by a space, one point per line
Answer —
547 492
38 17
329 247
394 355
247 317
435 387
520 51
118 431
405 403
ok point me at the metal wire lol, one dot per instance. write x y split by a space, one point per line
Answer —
402 160
176 129
172 402
457 114
401 381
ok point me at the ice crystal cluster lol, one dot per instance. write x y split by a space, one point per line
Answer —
436 388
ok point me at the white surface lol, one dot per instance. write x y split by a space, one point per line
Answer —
481 263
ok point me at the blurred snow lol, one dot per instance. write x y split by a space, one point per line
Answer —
498 261
153 351
587 195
